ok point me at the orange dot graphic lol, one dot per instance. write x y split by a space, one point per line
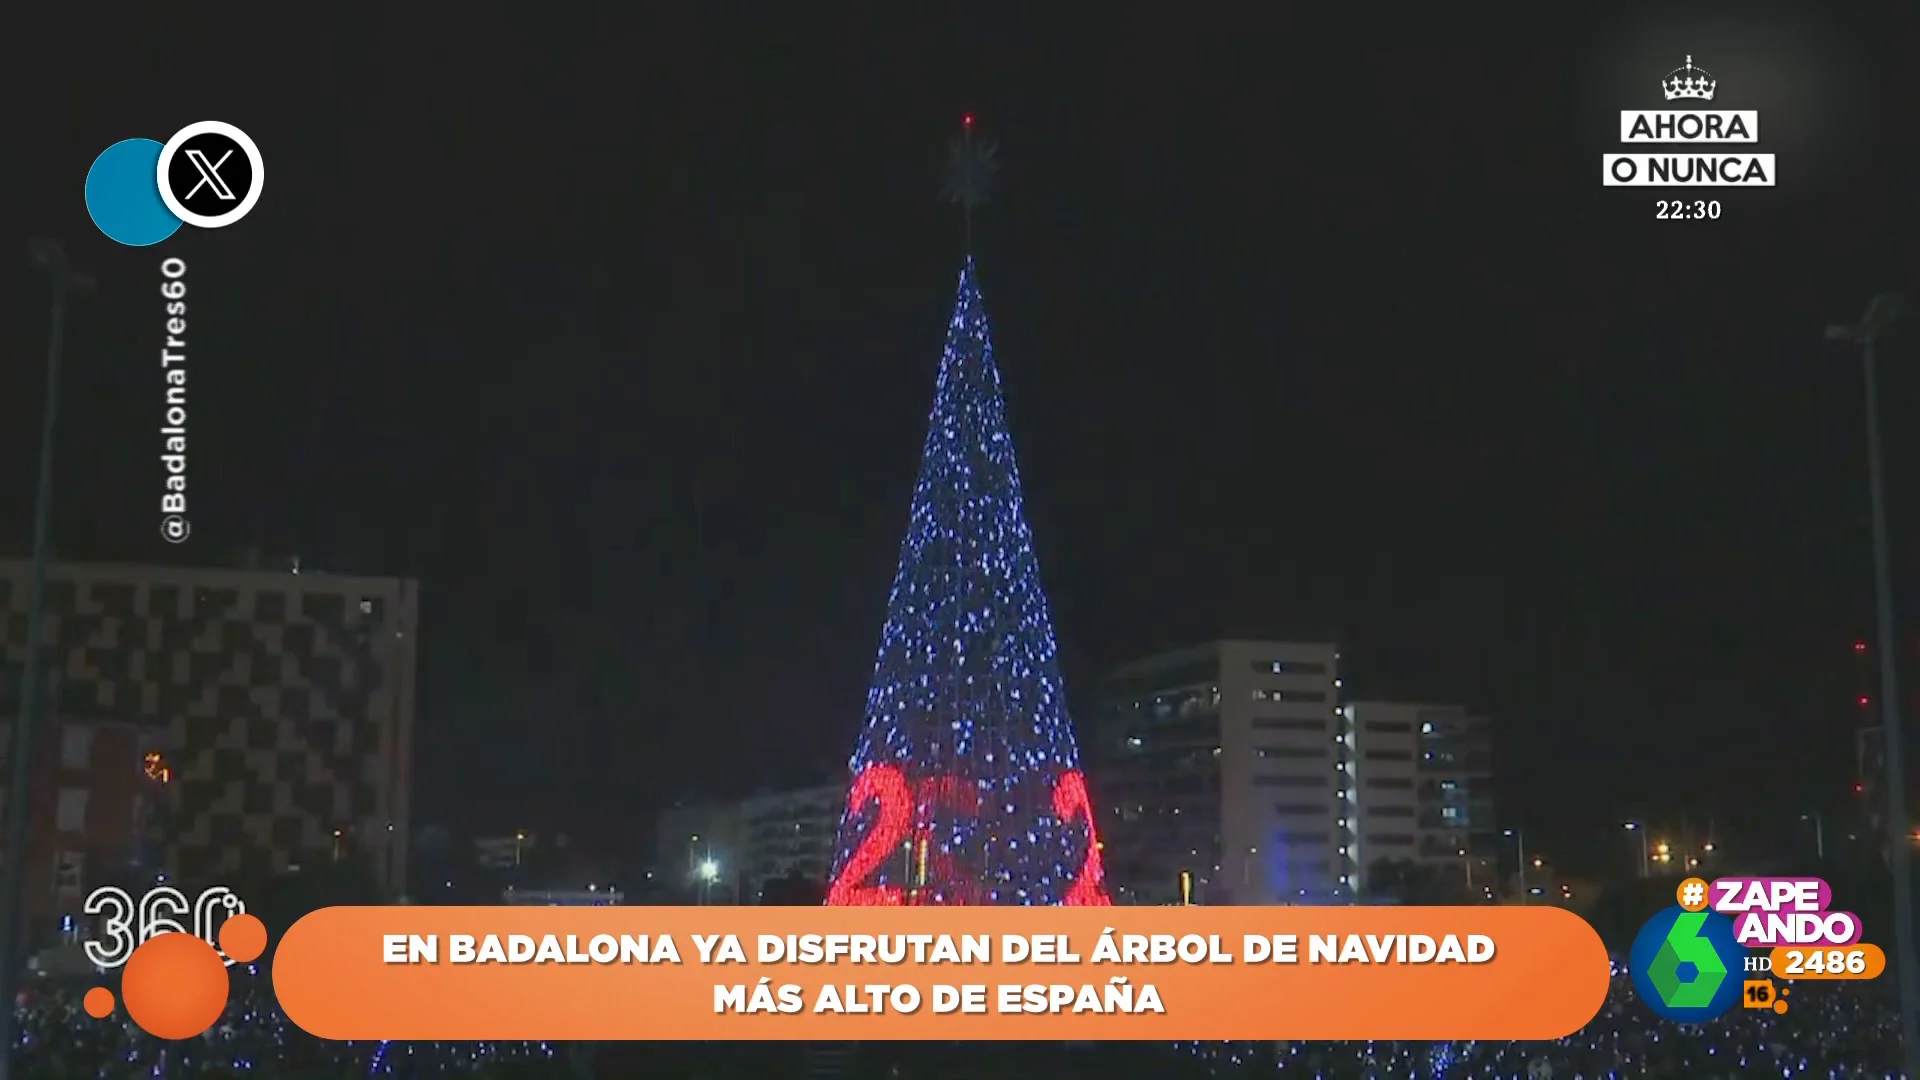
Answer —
1780 1007
1692 894
98 1002
175 986
243 938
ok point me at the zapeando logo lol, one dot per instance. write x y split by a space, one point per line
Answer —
1685 964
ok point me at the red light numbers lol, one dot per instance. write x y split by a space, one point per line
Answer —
905 811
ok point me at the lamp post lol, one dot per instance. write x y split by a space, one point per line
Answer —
1520 845
51 259
709 873
1819 836
1645 863
1881 313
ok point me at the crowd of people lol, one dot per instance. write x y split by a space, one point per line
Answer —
1832 1031
57 1040
1836 1031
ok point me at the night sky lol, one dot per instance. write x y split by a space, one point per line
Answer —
619 333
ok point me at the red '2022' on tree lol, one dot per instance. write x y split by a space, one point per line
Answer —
896 799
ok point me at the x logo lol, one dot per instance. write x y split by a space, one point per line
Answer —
210 175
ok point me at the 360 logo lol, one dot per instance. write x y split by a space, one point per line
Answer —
1685 964
173 976
126 925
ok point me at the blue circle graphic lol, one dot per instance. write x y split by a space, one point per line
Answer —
1687 966
123 194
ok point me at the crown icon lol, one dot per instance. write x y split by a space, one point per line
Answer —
1688 82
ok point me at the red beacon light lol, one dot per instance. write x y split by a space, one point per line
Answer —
1864 702
1859 646
966 120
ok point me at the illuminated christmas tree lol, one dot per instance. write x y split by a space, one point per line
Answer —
967 786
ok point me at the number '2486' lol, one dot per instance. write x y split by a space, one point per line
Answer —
125 923
1827 962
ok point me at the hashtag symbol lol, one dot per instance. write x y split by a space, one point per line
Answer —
1693 894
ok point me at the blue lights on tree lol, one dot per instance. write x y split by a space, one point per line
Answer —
967 787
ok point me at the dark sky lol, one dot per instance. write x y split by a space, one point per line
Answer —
618 330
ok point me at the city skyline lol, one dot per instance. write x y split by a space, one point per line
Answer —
645 426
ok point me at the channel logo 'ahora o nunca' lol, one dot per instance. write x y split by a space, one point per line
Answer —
1690 127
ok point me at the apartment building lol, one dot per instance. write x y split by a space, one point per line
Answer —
1419 777
1219 775
264 718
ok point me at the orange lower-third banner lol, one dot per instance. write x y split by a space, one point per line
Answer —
1227 973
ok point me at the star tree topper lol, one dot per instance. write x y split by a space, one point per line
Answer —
970 169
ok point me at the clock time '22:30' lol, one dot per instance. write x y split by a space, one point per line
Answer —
1687 210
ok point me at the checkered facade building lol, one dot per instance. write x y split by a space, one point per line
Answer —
281 702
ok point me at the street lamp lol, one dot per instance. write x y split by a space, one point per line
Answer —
1885 310
47 256
1819 836
1520 844
709 872
1645 863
